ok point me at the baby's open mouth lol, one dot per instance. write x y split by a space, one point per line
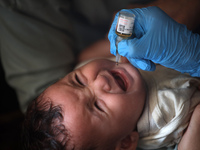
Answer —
120 80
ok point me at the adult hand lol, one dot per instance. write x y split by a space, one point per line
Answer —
157 38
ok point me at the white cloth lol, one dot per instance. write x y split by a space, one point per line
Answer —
172 97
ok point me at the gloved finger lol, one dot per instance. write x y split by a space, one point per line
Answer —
112 44
133 48
143 64
138 30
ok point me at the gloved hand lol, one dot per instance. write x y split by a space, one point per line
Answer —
157 38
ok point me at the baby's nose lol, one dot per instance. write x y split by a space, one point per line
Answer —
102 82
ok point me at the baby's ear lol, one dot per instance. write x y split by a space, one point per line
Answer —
129 142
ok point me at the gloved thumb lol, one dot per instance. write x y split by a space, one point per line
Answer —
143 64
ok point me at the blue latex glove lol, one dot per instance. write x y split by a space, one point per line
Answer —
158 39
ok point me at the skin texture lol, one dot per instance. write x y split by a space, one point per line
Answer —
98 107
191 137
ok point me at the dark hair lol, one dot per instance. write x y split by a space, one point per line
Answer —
43 128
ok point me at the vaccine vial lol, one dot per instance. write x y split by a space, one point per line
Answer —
125 24
124 29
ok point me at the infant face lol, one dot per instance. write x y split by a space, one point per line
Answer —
101 102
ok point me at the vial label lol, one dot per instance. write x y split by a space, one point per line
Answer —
125 26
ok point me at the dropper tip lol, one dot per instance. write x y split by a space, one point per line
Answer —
117 58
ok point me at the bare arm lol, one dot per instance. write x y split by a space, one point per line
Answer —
191 138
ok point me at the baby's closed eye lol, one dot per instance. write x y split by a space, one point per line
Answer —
96 104
78 80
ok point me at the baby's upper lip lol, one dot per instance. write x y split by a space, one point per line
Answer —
120 79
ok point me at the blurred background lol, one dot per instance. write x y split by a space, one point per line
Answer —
11 117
